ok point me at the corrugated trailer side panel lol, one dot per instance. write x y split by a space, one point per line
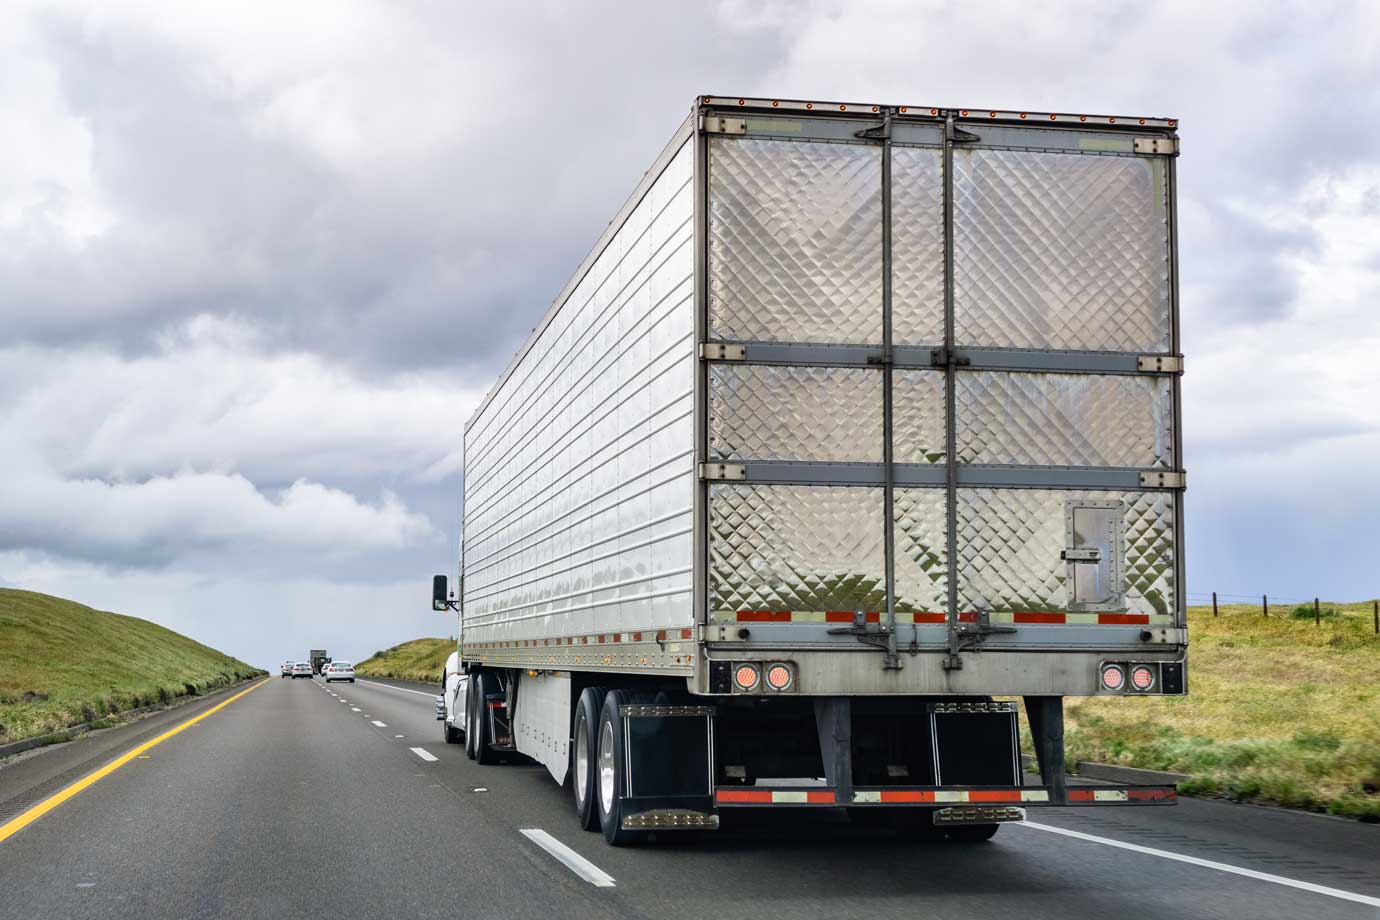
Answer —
580 471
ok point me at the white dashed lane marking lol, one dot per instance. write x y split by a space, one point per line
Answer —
424 754
380 724
572 860
391 687
354 709
1206 863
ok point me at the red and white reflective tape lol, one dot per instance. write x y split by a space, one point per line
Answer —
1026 617
832 616
1014 795
948 796
731 796
1132 794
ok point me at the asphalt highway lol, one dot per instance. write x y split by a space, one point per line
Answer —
296 799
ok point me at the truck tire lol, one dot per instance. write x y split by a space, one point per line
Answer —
469 715
906 822
583 772
450 732
483 754
611 770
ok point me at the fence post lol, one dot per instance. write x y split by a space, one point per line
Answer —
1375 612
1265 603
1317 617
1214 603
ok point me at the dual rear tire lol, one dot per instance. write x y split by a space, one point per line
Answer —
478 736
599 764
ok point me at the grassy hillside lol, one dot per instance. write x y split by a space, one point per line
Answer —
420 659
63 664
1279 710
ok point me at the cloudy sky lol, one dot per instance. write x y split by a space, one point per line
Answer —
258 261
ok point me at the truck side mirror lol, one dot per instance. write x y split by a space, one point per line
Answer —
440 588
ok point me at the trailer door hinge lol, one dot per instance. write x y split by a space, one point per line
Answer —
723 471
1165 146
722 351
1165 479
943 356
718 124
1160 364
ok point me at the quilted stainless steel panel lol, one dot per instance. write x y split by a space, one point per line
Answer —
1009 544
808 548
795 413
1058 250
922 553
795 241
917 416
1065 419
917 246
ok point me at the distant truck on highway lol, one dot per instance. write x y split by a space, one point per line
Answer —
319 659
857 422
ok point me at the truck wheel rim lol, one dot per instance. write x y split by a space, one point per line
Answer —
606 767
581 761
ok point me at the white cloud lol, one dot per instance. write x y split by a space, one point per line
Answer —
216 397
210 442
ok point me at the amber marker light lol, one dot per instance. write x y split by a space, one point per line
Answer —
747 677
779 677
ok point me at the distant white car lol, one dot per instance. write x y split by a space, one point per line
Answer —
287 668
339 670
301 669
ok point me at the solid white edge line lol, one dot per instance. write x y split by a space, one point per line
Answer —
572 860
423 753
391 687
1207 864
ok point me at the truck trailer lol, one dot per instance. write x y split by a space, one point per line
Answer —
319 659
856 433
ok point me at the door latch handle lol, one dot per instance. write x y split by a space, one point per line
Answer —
1091 554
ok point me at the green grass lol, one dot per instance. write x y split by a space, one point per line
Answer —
420 659
63 664
1278 710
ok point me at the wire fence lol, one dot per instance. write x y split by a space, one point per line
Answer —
1283 605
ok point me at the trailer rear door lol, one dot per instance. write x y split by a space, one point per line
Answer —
941 380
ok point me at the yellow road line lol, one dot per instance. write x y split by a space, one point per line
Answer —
14 825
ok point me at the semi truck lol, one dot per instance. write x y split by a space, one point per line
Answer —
854 440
